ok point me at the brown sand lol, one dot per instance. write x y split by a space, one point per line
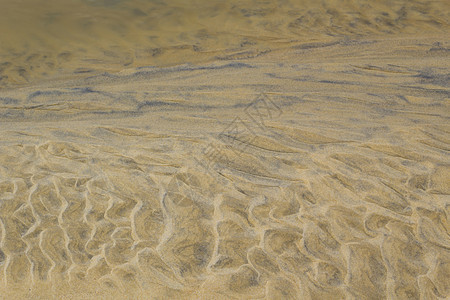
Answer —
291 167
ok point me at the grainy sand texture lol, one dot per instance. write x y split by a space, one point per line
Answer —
224 149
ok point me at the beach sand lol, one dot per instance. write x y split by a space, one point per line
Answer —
248 150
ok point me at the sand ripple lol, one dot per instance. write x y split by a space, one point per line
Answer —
341 191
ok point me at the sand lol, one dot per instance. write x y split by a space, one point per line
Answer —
310 162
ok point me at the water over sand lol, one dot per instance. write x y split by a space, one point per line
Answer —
244 150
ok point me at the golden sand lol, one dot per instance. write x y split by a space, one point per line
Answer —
224 150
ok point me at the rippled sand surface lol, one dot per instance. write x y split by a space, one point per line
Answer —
46 39
244 150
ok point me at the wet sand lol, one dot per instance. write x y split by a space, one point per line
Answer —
294 166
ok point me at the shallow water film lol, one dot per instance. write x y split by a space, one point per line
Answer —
224 149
